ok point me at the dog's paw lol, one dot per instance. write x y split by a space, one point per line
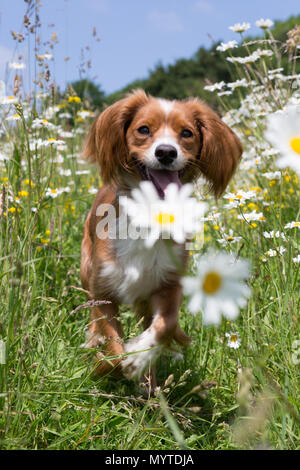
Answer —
143 351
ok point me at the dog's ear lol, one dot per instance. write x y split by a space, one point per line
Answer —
220 149
106 142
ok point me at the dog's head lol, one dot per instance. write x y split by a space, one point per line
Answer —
163 141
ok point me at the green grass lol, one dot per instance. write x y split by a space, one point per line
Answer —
219 398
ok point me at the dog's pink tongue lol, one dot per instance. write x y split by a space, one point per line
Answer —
162 178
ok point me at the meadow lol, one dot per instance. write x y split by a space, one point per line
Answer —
237 385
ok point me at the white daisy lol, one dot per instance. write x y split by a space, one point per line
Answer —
16 65
240 27
225 46
239 197
218 287
272 175
215 86
292 225
234 340
283 132
229 239
252 216
177 216
264 24
296 259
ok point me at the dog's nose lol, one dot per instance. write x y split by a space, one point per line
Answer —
165 154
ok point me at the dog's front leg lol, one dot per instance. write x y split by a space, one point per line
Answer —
105 330
145 348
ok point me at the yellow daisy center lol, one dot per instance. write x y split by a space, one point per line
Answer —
212 282
295 144
164 218
233 338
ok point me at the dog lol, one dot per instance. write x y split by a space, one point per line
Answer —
145 138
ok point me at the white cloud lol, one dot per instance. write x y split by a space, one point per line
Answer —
204 7
167 22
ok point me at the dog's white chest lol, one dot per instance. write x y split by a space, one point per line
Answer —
137 271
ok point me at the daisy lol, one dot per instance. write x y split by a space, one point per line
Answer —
215 86
252 216
239 197
8 100
42 123
272 175
225 46
218 287
297 259
234 340
17 65
292 225
273 253
177 216
229 239
264 24
240 27
283 132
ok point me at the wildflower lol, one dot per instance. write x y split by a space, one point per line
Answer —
23 193
53 193
93 191
215 86
64 172
229 239
14 117
16 65
8 100
238 83
252 216
271 175
234 340
296 259
42 123
74 99
218 288
283 132
177 216
292 225
225 46
239 197
240 27
84 114
264 24
29 183
272 253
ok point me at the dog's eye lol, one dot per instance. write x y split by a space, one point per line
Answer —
144 130
186 133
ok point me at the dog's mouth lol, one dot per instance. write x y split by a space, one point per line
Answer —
160 178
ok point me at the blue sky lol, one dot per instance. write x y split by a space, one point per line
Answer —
135 34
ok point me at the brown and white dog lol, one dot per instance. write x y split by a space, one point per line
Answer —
144 138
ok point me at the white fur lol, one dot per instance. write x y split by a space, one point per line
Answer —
166 105
165 139
145 350
136 271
